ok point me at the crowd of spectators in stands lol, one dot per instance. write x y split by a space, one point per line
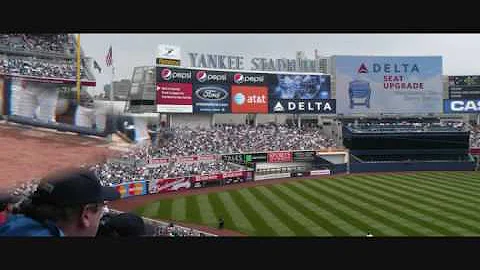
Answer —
226 139
116 173
39 55
414 126
24 189
475 137
31 66
172 170
171 230
41 43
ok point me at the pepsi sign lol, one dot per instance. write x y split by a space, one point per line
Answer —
168 74
248 78
203 76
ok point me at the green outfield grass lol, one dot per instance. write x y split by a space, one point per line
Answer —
420 204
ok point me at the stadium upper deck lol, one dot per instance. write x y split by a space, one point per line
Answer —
404 128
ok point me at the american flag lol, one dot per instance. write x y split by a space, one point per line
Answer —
108 58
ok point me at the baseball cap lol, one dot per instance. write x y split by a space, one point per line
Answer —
6 197
73 187
124 224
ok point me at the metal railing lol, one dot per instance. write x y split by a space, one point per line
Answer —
164 224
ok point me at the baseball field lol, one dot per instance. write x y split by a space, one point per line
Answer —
390 204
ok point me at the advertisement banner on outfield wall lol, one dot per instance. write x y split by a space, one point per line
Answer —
279 157
299 156
395 84
248 175
208 177
233 177
234 158
132 189
320 172
272 176
300 174
169 184
256 157
232 174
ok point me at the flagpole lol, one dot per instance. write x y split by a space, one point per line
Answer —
113 75
111 89
78 69
111 84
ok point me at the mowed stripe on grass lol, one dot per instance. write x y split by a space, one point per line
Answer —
390 204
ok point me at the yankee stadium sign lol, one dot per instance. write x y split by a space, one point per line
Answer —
217 61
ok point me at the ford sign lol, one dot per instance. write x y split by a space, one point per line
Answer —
211 93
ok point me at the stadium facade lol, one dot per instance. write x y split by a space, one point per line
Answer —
142 98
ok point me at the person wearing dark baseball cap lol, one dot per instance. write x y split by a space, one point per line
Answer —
121 225
69 203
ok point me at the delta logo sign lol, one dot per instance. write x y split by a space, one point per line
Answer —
394 81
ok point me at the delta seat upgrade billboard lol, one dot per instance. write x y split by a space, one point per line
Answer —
397 84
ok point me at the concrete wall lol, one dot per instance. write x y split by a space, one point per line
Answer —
229 118
268 118
192 120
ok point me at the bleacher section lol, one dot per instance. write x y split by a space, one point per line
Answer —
407 146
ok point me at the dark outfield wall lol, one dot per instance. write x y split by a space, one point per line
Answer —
411 166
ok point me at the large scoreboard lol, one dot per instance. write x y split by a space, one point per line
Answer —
464 87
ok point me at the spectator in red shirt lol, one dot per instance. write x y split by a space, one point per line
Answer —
6 201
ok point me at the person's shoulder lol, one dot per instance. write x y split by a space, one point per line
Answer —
20 225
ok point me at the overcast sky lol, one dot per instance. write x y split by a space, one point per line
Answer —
461 52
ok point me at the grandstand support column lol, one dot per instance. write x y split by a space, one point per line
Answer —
299 120
78 70
348 162
478 119
212 120
255 119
